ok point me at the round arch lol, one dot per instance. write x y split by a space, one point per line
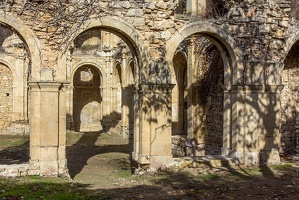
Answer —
288 137
6 63
232 60
290 42
82 63
30 40
114 25
131 71
218 36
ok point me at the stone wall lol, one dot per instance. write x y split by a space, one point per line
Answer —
14 170
214 102
250 39
6 97
209 79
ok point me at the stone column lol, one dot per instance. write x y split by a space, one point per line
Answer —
70 108
19 92
106 97
195 111
125 112
190 81
125 100
47 125
62 164
137 126
155 125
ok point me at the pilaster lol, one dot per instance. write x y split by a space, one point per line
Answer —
154 125
256 119
48 128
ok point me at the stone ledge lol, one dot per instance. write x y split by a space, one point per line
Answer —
14 170
200 161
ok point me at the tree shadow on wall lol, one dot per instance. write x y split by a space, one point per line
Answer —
261 112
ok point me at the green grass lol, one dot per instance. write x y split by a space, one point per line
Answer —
124 174
13 140
283 166
32 187
209 176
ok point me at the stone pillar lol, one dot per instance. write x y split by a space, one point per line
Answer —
125 97
106 119
155 125
106 97
70 109
190 82
125 111
48 129
137 126
62 164
195 111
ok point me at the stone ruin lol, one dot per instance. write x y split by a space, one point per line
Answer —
178 78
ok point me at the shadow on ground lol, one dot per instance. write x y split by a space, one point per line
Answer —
281 183
92 147
14 149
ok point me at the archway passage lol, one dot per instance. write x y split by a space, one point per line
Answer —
87 99
198 98
14 73
99 104
111 59
290 103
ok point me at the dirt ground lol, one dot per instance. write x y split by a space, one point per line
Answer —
102 162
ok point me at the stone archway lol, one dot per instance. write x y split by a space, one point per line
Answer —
197 132
290 102
132 41
87 99
19 49
30 40
289 139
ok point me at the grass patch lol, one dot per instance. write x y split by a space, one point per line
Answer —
13 140
33 187
284 166
124 174
209 176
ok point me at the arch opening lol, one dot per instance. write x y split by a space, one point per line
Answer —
87 99
99 103
198 107
14 97
289 103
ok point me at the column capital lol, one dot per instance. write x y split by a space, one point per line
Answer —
148 88
47 86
